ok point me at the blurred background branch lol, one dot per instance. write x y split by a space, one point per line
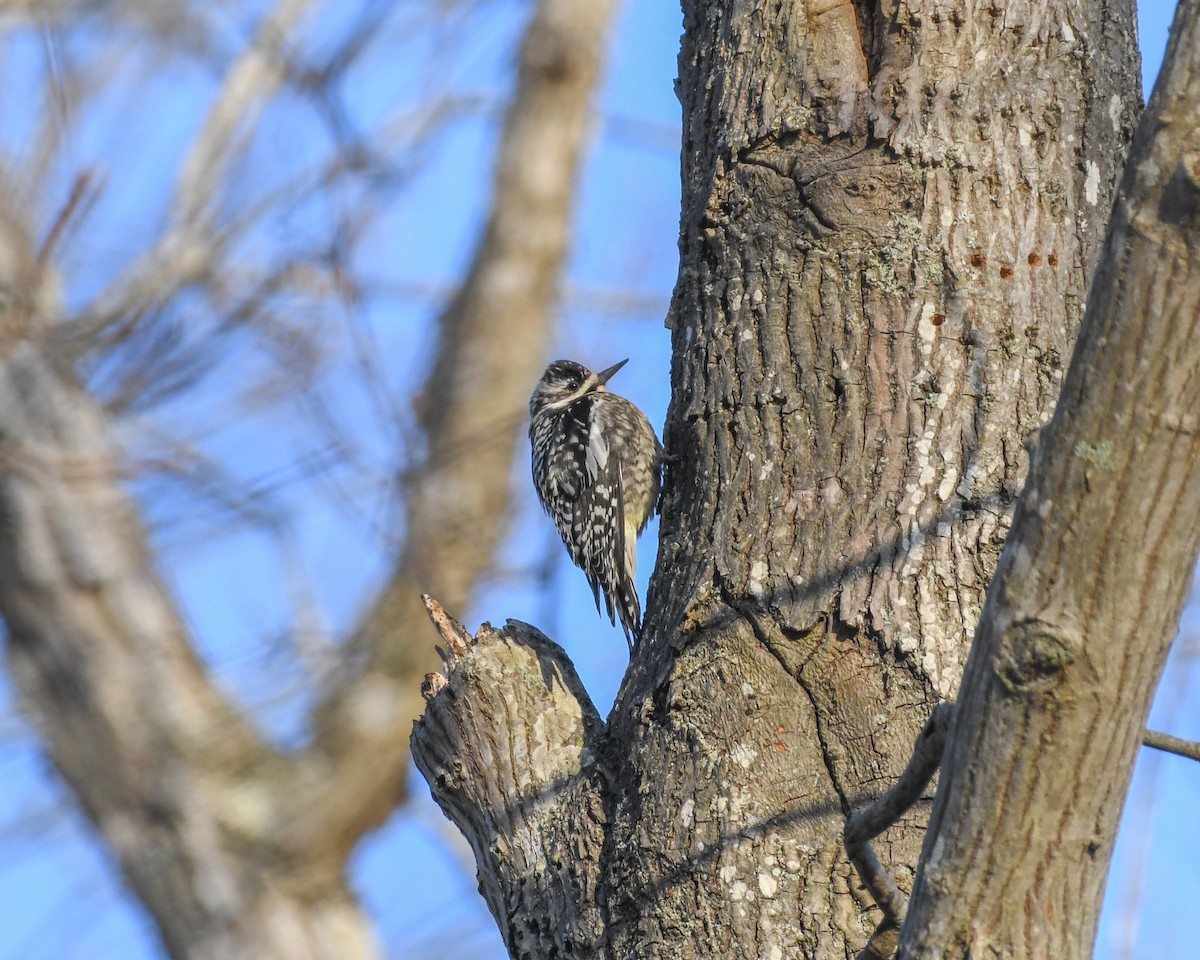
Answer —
156 313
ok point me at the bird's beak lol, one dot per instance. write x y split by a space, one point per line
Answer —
603 376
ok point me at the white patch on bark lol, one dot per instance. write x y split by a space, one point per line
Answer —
767 885
935 856
687 813
758 571
1091 186
738 891
728 872
968 482
946 487
1068 34
743 755
915 490
925 325
1114 112
932 664
248 808
1020 558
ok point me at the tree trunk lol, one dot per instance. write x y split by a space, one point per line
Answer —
1088 594
889 220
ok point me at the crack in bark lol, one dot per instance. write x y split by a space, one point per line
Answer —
770 637
826 753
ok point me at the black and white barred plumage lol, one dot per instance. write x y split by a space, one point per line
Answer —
597 468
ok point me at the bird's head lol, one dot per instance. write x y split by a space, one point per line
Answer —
565 381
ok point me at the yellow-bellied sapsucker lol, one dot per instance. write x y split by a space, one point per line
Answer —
597 467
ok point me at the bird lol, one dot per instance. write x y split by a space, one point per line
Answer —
597 469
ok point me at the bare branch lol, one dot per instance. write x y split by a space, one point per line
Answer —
492 338
450 630
864 825
75 199
193 240
245 91
103 661
196 805
1170 744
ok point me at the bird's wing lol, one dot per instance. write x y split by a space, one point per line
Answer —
586 476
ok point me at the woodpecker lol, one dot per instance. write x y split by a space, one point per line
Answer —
597 468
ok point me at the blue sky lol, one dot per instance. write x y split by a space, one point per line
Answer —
61 898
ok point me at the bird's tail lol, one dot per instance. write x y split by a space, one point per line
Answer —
629 607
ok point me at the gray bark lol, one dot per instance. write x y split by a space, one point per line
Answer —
890 217
1087 597
522 782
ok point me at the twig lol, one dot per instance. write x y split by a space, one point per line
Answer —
1170 744
865 824
192 244
79 189
457 637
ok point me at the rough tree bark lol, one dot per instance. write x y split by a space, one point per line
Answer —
1087 597
236 848
890 217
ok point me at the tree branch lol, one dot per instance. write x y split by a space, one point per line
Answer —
491 349
175 781
192 243
1170 744
97 648
864 825
508 744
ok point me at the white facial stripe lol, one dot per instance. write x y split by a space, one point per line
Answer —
584 388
